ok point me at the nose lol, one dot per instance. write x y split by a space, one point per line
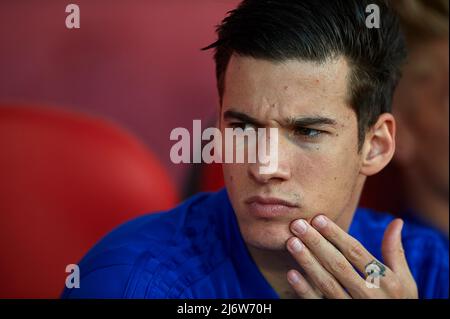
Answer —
282 171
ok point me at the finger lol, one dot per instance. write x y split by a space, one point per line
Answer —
321 278
392 249
301 286
351 248
391 284
330 257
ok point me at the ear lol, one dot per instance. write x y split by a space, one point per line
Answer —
379 145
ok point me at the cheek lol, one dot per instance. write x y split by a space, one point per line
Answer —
236 180
327 179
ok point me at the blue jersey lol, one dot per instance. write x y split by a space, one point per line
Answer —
196 251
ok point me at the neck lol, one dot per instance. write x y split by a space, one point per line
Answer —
274 265
430 205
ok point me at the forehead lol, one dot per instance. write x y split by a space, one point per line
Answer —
296 86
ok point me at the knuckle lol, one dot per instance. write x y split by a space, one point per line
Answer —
327 286
394 284
306 261
315 241
355 252
332 233
339 266
394 287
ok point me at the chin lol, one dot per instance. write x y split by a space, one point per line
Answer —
266 235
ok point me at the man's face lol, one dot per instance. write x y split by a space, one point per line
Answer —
422 104
318 160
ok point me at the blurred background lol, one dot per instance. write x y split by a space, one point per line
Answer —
137 63
85 120
86 115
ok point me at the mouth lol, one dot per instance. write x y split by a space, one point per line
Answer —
269 207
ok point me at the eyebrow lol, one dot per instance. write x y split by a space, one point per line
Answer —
310 121
290 122
230 115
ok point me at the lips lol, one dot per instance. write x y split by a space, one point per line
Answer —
268 207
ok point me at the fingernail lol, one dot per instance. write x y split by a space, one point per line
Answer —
296 245
299 226
293 277
319 221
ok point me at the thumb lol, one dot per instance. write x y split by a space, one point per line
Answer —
392 248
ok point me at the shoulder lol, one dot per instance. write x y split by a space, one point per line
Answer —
145 257
426 249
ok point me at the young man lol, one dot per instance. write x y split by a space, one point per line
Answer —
317 73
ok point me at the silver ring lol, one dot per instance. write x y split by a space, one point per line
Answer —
375 269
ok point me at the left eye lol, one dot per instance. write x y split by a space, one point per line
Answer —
308 132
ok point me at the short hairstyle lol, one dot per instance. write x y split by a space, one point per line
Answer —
317 31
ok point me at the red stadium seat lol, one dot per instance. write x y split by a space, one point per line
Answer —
66 179
211 178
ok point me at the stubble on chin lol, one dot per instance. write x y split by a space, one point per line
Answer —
260 235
